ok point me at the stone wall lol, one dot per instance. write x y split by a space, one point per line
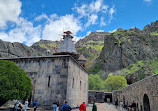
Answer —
52 79
97 96
144 93
77 85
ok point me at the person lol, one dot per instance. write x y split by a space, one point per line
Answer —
94 108
121 106
35 104
66 107
116 103
16 106
82 107
26 105
133 106
20 107
55 106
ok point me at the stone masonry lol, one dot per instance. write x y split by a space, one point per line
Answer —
58 77
144 93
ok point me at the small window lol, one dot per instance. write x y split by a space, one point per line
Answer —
73 83
80 85
49 81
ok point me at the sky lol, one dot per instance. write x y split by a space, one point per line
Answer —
28 21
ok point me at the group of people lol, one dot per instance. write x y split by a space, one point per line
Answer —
18 106
83 107
131 107
65 107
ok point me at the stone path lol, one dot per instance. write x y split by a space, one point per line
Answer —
102 107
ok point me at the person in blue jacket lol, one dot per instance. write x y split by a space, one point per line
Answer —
35 104
66 107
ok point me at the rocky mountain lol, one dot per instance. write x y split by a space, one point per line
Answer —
8 49
43 46
125 47
91 45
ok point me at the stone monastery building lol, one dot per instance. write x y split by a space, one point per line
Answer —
58 77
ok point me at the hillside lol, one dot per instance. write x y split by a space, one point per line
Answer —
91 45
125 47
8 49
43 45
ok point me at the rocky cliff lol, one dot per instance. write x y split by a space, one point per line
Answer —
124 50
43 46
8 49
91 45
125 47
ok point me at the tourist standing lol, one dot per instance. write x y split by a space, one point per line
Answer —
16 106
26 105
66 107
35 104
133 106
55 106
121 106
116 103
20 107
94 108
82 107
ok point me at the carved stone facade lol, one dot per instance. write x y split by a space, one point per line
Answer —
144 93
57 77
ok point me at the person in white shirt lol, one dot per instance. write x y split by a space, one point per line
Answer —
26 104
121 106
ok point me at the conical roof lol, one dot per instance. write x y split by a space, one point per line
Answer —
82 57
67 46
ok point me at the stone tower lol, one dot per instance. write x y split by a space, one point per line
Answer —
67 47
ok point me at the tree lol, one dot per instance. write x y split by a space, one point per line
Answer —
115 83
95 82
14 83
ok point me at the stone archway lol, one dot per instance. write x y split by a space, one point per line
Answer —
146 103
108 97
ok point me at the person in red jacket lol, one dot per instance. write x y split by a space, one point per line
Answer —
82 107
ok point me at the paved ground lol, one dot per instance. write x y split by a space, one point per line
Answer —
103 107
100 107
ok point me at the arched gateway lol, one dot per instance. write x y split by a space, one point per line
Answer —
146 103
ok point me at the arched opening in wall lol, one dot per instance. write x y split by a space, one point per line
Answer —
73 83
146 103
28 53
108 98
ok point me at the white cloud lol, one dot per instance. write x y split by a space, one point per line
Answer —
24 32
95 11
111 12
54 30
9 11
88 33
102 22
43 16
91 20
99 30
148 0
